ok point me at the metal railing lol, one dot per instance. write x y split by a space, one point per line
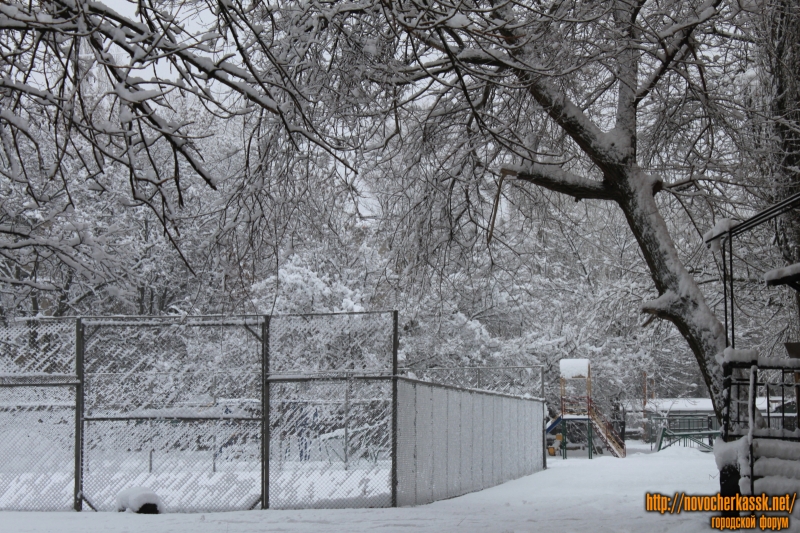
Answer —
607 432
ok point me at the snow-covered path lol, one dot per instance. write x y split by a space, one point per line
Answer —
576 495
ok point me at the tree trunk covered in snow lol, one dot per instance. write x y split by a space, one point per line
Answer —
681 301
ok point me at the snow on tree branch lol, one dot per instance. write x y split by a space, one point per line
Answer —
556 179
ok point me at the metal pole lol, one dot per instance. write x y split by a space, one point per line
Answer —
727 377
752 417
589 433
77 501
544 434
265 421
644 398
346 416
395 345
783 400
541 379
733 324
544 419
725 292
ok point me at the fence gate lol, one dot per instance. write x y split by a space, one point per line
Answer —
173 404
38 384
331 410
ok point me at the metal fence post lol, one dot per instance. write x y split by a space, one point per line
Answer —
544 436
265 420
541 379
395 345
346 416
77 501
544 419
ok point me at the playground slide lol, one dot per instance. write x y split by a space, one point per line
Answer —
614 441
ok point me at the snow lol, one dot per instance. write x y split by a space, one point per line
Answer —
723 225
778 273
691 405
574 368
777 449
226 411
601 495
15 120
772 466
132 499
778 362
778 485
732 355
661 304
777 433
680 405
730 453
459 20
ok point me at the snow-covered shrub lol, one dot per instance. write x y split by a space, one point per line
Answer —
139 500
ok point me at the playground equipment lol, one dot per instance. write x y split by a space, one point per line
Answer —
690 430
577 408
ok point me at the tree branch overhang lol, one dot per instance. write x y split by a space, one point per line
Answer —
557 179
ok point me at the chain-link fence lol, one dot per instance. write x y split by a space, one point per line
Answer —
330 410
330 442
452 441
38 385
173 404
227 413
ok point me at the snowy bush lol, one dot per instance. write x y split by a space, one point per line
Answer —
139 500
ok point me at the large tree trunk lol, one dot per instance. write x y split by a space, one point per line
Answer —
614 153
680 301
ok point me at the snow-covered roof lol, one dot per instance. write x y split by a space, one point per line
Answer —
688 405
680 404
574 368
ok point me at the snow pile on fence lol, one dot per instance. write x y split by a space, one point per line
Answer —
723 225
732 355
732 453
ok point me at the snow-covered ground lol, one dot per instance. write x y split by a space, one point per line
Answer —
576 495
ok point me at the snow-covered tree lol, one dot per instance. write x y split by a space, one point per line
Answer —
429 127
